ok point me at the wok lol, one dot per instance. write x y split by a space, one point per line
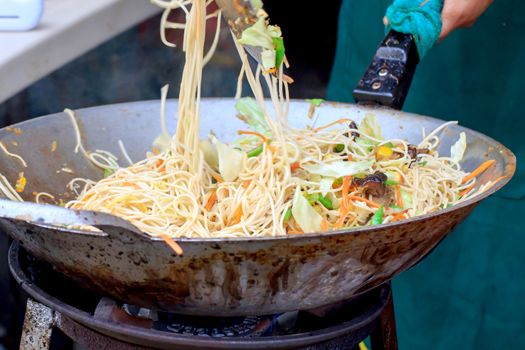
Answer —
216 276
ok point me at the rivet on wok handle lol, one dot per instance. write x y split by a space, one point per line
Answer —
387 79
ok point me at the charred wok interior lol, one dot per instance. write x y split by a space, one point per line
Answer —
226 277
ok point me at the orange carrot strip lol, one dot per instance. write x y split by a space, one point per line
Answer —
467 190
155 151
211 201
217 178
479 170
338 121
494 182
237 215
399 216
246 184
255 133
324 225
367 201
345 190
173 245
350 158
399 199
295 232
294 166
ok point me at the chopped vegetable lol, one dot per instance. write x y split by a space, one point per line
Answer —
325 185
53 146
20 183
256 151
211 201
423 163
268 59
479 170
384 153
371 127
304 214
231 161
279 51
324 225
237 215
248 111
107 172
217 178
377 218
339 168
326 202
316 102
288 214
294 166
172 244
209 152
260 34
458 149
339 148
368 202
391 183
406 199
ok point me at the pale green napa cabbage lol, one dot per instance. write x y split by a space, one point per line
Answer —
231 161
338 169
458 149
304 214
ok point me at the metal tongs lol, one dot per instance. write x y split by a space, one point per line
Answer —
241 14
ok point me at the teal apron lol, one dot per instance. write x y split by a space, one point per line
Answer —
470 292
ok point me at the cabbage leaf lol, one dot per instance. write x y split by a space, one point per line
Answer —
339 168
304 214
248 111
231 161
458 149
371 127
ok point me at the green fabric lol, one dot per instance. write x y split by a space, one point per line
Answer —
420 18
468 294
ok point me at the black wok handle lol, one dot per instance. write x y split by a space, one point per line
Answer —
387 79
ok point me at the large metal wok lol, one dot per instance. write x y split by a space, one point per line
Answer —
215 276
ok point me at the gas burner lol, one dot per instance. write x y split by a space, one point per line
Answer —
96 322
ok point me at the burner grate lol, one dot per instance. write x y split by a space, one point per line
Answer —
101 323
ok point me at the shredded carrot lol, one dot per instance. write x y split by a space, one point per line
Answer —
399 216
156 151
324 225
294 166
295 232
131 184
211 201
367 201
338 121
467 190
246 184
399 199
479 170
350 158
237 215
173 245
255 133
494 182
160 165
345 190
217 178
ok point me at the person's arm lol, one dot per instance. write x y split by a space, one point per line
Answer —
460 14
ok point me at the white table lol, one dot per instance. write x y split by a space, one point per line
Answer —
68 29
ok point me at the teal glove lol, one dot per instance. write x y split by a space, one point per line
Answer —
421 18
